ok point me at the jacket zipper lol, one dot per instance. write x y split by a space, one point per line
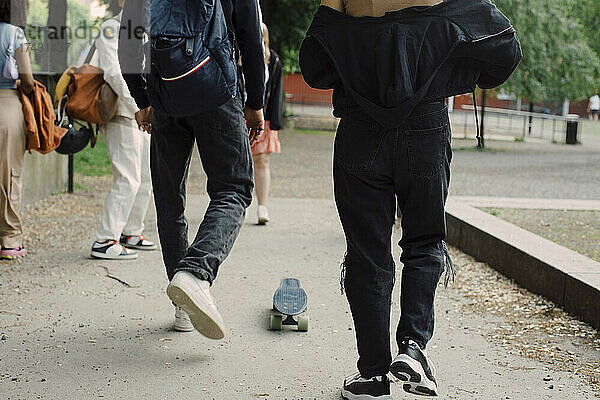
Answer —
491 36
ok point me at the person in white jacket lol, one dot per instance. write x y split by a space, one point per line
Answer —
122 225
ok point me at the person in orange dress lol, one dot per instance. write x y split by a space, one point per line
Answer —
269 141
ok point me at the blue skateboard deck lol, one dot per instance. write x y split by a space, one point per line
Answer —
289 301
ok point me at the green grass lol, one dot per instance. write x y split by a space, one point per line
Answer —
311 132
93 162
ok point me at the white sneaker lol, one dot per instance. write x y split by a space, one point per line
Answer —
112 250
263 215
193 296
182 321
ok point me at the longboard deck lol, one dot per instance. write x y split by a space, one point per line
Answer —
290 298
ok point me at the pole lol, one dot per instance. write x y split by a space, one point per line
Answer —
481 130
70 157
530 117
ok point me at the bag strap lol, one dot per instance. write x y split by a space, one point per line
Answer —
90 53
93 134
13 39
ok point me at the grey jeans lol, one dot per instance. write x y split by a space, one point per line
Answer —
224 149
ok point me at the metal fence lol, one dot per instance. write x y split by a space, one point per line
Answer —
512 123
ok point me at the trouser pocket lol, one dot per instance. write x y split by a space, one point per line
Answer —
357 143
15 185
427 150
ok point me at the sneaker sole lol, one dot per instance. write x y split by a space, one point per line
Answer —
202 322
109 257
183 329
143 248
415 381
351 396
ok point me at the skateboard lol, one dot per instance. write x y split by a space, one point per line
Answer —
289 301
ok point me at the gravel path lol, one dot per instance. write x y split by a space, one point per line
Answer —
536 170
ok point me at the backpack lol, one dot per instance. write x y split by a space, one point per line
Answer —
192 68
89 97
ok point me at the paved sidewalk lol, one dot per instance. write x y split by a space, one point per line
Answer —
70 332
527 203
67 331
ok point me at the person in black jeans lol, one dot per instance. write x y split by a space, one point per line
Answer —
376 170
221 137
390 73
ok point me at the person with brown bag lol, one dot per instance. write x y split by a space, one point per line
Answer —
122 224
14 63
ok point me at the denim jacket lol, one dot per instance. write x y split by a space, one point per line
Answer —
389 64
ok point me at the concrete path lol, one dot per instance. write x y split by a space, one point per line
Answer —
70 332
527 203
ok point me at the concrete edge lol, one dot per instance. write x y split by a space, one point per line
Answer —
565 277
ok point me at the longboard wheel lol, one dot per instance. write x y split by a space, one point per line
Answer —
303 323
275 322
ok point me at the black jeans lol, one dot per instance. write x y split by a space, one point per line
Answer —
225 154
374 171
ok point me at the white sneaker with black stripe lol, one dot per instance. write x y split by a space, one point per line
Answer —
138 242
112 250
358 388
415 369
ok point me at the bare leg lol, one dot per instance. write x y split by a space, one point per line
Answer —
262 177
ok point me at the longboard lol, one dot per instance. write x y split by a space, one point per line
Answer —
289 301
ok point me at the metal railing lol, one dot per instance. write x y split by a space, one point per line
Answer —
518 124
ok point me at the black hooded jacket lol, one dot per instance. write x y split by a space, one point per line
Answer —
387 65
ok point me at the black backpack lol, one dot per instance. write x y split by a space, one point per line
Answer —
193 67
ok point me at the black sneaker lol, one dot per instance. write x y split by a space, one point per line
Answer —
413 367
359 388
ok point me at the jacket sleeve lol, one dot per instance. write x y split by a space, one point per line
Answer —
497 58
131 49
246 25
275 106
316 66
106 46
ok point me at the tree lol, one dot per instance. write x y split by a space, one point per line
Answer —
558 62
56 43
288 21
588 14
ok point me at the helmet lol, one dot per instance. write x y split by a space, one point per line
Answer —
75 139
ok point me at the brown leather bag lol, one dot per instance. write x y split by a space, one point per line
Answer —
91 99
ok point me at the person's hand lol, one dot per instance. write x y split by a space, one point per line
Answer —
144 119
255 122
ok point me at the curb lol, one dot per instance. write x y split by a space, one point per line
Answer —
569 279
